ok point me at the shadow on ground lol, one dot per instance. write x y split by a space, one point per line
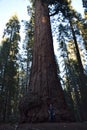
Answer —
45 126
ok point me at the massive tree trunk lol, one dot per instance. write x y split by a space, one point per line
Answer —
44 87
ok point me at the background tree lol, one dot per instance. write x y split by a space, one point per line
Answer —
71 17
9 68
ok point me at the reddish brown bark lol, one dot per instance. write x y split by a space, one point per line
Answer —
44 87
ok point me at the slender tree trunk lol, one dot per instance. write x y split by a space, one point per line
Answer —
82 80
44 87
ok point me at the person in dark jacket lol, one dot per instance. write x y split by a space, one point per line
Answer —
51 112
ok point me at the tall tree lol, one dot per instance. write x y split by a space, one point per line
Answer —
72 16
69 69
44 86
29 39
9 53
80 65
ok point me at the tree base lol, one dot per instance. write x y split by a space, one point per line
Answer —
37 110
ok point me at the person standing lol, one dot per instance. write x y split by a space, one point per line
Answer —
51 112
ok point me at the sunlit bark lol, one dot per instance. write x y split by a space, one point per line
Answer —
44 87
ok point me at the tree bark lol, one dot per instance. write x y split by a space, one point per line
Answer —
44 87
82 79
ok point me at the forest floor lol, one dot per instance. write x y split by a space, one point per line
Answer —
45 126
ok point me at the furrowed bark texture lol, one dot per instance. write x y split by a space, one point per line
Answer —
44 87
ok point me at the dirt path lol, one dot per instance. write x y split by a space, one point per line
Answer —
45 126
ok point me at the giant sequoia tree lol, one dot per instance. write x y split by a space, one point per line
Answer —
44 87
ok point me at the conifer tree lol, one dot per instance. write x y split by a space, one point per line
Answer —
44 86
9 66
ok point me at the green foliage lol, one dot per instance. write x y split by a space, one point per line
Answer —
14 77
9 67
28 45
66 31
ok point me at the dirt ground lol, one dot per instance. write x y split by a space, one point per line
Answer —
45 126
